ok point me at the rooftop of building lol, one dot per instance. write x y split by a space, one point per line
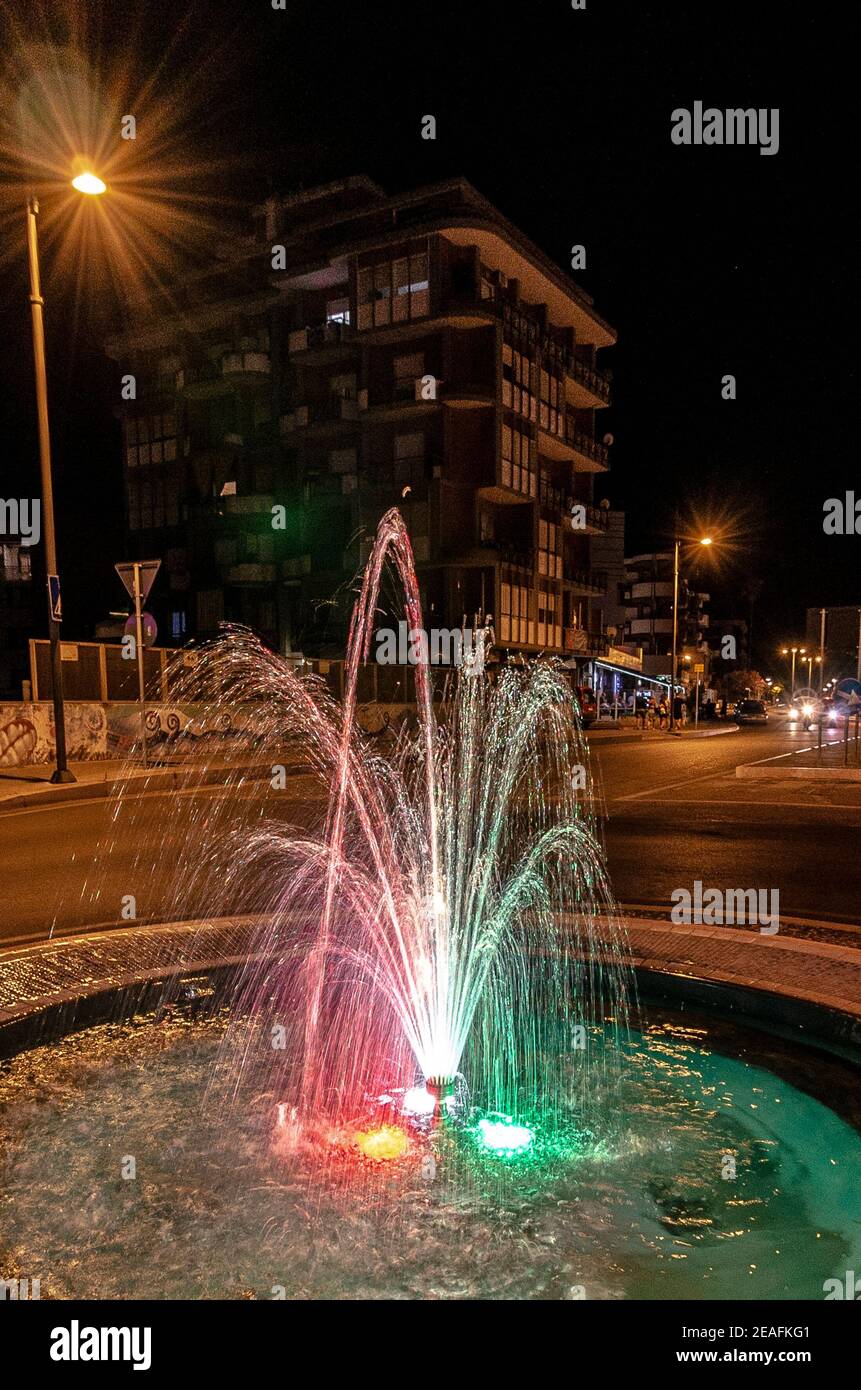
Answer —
320 226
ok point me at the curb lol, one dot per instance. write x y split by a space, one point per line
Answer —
758 772
652 736
168 779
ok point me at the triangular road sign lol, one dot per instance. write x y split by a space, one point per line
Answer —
148 571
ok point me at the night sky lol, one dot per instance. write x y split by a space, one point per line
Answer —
707 260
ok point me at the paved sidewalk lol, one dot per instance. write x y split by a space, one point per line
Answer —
33 976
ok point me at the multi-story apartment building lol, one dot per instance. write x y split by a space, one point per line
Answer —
356 352
648 597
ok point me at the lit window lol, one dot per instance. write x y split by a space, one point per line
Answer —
338 311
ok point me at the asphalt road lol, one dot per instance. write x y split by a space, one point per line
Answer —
675 812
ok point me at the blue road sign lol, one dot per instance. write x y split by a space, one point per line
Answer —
54 595
849 690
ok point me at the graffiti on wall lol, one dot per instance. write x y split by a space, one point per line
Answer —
97 730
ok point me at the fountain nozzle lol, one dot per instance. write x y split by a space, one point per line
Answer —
442 1089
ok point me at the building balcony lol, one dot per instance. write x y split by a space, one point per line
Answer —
296 567
567 444
393 475
586 386
249 368
660 588
644 627
252 572
583 643
596 522
585 583
250 504
202 382
321 341
330 412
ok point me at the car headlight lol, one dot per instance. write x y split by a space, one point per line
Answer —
807 711
793 714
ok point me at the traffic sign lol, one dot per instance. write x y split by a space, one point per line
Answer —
849 690
55 597
149 628
148 569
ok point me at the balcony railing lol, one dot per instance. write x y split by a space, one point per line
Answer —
245 364
576 439
396 474
577 639
588 581
328 411
320 335
531 329
594 380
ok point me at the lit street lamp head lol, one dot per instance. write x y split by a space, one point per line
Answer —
706 540
88 182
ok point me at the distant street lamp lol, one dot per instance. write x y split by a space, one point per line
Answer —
796 651
84 182
703 540
809 660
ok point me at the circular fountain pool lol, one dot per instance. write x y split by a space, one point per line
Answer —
716 1178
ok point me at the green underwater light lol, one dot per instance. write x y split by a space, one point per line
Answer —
504 1136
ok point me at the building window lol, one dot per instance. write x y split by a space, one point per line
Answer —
409 459
551 415
394 291
518 461
514 624
550 549
153 502
518 384
338 311
549 616
408 370
150 439
177 624
16 563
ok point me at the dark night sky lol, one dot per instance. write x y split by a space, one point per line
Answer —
706 260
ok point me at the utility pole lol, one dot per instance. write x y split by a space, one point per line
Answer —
821 649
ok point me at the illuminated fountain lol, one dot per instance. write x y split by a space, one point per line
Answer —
441 922
402 1065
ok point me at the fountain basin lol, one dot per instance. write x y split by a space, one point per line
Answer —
221 1205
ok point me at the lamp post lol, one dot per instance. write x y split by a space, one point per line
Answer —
704 540
808 661
795 652
84 183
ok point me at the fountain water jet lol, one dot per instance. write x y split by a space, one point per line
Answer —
449 909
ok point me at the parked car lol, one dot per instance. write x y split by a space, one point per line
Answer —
750 712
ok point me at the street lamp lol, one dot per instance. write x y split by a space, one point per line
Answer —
796 651
809 660
84 182
703 540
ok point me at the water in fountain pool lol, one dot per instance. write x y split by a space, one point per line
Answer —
224 1204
